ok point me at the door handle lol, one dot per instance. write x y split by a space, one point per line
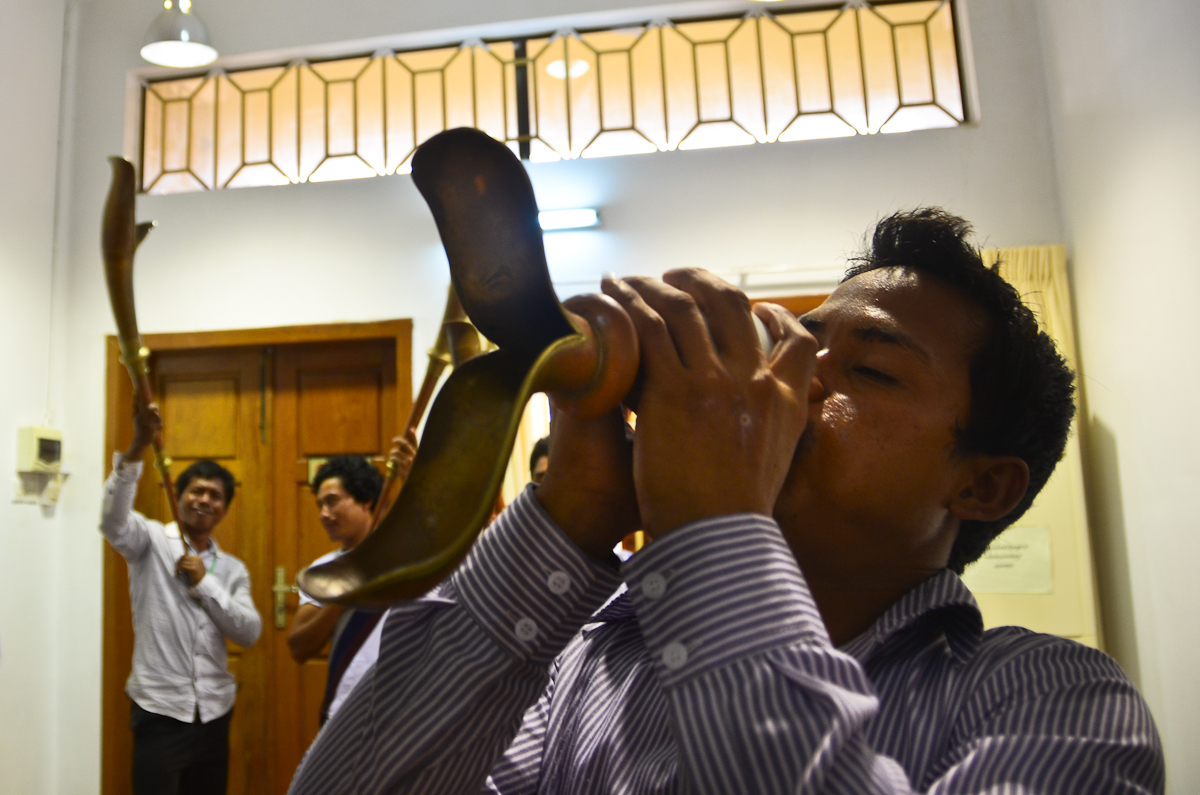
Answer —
281 589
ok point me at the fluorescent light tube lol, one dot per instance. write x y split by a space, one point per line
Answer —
567 219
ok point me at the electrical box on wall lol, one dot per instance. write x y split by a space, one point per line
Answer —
40 472
39 450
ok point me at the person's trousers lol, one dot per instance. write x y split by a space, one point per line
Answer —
171 757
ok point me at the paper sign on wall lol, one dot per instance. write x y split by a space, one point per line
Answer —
1018 561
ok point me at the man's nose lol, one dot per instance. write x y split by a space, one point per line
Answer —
816 387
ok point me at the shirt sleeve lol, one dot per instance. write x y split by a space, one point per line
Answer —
762 702
231 609
125 529
459 667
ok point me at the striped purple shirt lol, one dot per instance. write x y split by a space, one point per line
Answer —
715 674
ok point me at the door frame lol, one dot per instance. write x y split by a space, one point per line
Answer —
115 667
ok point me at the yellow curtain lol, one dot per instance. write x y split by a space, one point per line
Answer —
1069 606
1040 275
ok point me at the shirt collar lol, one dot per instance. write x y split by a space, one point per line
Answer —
941 603
619 609
172 532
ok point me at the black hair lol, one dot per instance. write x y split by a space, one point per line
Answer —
360 479
206 470
541 449
1022 389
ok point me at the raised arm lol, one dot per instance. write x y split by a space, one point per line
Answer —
125 529
458 668
404 450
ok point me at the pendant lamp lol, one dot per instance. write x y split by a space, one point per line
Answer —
177 38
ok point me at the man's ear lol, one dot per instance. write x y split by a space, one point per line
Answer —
994 485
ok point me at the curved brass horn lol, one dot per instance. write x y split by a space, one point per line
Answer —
120 236
486 214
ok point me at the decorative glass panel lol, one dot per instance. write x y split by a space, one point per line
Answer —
857 69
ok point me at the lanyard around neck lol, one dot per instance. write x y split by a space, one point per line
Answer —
198 553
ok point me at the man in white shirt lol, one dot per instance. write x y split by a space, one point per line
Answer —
187 599
347 488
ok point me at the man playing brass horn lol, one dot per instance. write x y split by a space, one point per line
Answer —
798 623
187 599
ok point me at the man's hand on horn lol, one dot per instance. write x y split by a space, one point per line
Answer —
193 566
404 450
588 486
147 422
718 421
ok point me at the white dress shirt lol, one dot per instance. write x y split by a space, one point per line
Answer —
364 659
179 661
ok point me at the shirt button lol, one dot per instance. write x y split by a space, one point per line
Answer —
674 655
654 585
558 582
526 630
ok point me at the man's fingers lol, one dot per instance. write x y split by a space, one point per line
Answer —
726 311
659 354
794 357
149 418
685 322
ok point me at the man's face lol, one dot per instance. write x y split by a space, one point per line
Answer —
539 469
345 519
202 505
875 469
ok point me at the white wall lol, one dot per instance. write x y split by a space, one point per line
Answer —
1124 83
30 57
367 249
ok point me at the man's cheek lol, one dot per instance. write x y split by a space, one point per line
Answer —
839 415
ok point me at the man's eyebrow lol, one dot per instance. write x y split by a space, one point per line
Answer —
891 336
874 332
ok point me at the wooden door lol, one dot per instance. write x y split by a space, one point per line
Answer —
329 399
212 405
339 388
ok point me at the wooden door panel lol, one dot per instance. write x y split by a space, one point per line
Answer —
329 399
338 410
200 416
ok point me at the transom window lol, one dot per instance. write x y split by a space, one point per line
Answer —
858 69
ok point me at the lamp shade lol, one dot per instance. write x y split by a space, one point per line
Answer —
177 38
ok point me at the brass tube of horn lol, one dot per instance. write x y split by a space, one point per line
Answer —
457 341
120 236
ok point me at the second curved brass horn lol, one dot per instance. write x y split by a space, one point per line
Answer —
457 341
